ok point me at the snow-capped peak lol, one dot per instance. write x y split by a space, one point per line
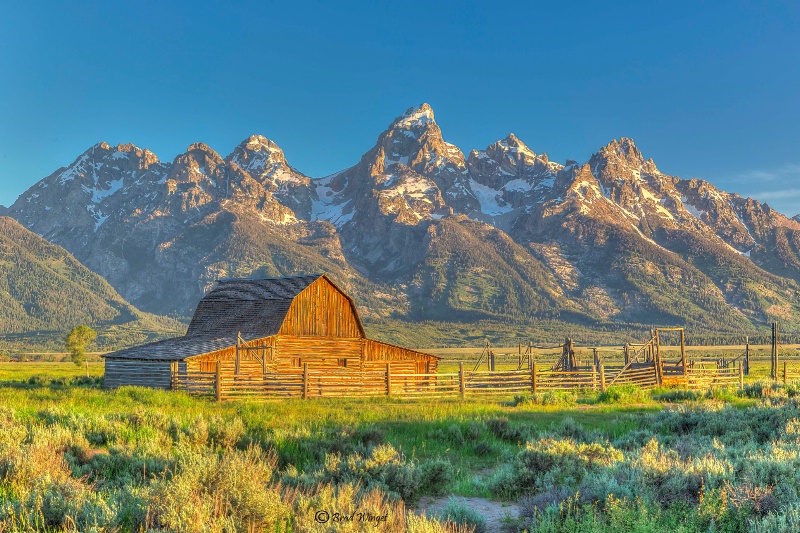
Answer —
415 117
259 143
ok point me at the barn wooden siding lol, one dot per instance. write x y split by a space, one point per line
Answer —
287 354
321 310
377 354
319 353
154 374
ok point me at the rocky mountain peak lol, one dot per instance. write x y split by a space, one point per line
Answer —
260 144
620 167
623 149
413 142
265 162
415 118
202 148
415 135
513 148
259 156
512 141
508 161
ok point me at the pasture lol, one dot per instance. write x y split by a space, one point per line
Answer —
74 457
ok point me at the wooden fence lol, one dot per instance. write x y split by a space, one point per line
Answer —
311 383
717 377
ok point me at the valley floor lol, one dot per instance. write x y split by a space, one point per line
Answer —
76 457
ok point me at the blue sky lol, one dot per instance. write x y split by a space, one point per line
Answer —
706 89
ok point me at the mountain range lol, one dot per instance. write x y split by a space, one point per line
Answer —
418 231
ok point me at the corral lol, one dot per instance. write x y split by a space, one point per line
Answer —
642 366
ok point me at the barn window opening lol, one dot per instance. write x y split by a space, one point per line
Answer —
342 363
208 366
296 362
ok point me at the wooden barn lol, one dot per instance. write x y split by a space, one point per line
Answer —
257 327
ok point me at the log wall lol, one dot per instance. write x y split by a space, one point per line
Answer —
286 354
341 354
403 360
153 374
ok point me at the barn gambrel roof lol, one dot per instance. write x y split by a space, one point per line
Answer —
254 308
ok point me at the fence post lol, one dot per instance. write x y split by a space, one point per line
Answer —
773 364
658 374
747 355
305 381
462 385
602 378
741 377
172 374
594 377
533 377
784 373
388 379
218 381
683 351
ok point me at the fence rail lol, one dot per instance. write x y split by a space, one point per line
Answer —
310 383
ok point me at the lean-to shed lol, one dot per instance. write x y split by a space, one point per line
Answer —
266 326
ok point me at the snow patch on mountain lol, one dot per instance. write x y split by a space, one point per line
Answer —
98 194
697 213
491 200
74 170
328 206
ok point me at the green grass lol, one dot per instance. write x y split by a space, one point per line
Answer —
136 459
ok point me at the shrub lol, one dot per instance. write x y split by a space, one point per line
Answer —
678 395
503 430
225 433
483 448
211 492
455 435
458 512
555 398
623 394
435 476
786 522
570 429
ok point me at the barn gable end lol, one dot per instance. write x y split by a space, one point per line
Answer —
322 310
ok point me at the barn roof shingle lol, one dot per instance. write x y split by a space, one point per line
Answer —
256 308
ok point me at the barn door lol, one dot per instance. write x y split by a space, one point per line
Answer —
421 367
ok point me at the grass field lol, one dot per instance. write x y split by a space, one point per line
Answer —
74 457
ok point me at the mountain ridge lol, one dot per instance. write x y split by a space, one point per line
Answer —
611 239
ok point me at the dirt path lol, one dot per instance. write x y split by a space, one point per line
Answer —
494 512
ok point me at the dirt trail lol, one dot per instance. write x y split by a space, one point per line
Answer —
494 512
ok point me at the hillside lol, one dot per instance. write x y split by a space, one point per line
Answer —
45 290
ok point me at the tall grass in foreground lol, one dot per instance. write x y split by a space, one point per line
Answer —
76 458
